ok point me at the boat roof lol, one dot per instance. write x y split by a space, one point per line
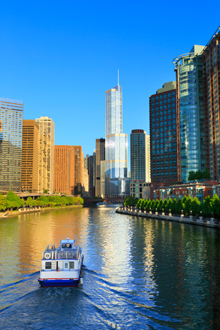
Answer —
66 241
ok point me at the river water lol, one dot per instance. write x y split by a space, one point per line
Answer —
138 273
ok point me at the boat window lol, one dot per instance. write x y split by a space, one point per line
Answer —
47 265
71 265
66 265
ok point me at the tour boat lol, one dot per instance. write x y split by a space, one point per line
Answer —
62 266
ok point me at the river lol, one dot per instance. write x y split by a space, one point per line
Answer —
138 273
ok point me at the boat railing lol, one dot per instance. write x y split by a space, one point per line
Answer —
57 254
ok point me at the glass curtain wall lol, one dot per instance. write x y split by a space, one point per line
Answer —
191 111
115 164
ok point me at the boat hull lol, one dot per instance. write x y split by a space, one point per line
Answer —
58 283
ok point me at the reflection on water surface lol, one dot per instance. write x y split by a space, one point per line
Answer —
138 273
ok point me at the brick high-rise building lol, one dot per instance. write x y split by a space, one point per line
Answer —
163 132
62 169
211 69
69 171
46 154
29 166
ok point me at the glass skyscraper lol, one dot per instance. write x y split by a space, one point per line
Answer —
11 122
114 181
190 109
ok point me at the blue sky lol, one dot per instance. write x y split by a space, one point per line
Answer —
61 57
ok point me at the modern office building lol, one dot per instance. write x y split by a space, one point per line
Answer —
30 152
46 154
11 122
62 169
114 181
100 156
139 153
211 63
163 132
190 113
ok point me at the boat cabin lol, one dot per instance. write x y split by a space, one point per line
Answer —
66 257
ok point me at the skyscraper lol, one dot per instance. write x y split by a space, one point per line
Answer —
76 169
114 168
190 112
139 155
148 162
29 166
163 130
11 120
100 156
62 169
211 63
46 154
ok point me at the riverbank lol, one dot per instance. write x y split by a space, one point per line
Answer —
43 209
200 221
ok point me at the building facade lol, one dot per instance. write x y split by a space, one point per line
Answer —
62 169
91 161
30 152
211 63
139 155
76 170
114 181
195 189
190 112
140 189
100 156
163 132
46 154
70 174
11 122
148 160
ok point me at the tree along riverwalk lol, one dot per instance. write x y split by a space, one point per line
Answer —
200 221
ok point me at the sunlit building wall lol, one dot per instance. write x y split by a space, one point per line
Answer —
62 169
46 154
100 156
148 171
11 121
30 152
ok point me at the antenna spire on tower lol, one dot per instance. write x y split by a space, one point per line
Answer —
118 77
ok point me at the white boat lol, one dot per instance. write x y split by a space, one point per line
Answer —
62 266
101 203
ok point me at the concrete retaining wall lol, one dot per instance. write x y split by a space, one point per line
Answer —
214 223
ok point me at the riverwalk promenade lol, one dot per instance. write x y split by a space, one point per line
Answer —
200 221
35 209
